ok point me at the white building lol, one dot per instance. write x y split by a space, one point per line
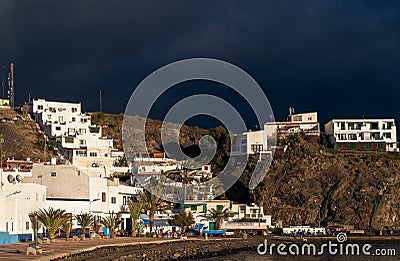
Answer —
251 142
82 143
17 200
243 217
83 190
362 134
263 141
306 123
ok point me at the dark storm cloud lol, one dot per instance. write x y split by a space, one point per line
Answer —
338 57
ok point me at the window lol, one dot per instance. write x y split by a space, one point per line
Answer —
388 135
124 200
27 225
82 142
93 154
368 146
53 174
73 119
6 226
380 146
58 128
352 136
12 226
81 153
220 207
351 126
40 107
342 126
256 147
353 146
103 197
69 140
193 208
74 109
374 126
113 200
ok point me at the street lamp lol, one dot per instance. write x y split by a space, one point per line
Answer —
13 193
95 219
96 199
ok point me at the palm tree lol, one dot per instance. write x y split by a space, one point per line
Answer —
84 220
52 219
151 204
112 222
183 175
67 226
135 208
35 224
219 215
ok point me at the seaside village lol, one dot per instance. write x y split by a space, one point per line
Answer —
90 179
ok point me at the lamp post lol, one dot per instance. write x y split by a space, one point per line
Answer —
13 193
95 220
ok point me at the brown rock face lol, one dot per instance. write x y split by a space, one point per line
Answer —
309 184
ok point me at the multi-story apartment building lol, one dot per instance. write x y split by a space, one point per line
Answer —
362 134
82 143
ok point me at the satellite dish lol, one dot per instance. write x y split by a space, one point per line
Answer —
19 178
10 178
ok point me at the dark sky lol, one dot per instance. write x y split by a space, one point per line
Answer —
340 58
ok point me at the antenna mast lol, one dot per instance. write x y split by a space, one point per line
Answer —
101 105
11 85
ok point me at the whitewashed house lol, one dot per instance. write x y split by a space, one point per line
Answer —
83 190
17 200
264 141
362 134
243 217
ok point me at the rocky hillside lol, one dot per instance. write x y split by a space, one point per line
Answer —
112 127
309 184
21 136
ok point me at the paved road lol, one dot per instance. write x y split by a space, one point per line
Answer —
62 247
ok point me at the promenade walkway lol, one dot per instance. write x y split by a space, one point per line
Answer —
62 247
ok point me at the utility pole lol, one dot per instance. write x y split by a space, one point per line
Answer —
11 91
101 105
